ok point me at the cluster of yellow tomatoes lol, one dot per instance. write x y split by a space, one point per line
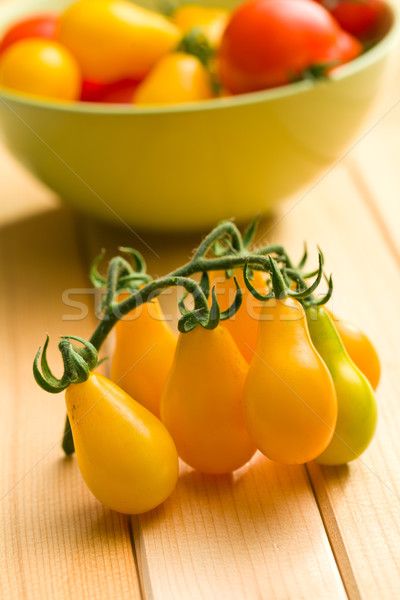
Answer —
117 51
282 377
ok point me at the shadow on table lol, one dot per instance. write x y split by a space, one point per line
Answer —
261 491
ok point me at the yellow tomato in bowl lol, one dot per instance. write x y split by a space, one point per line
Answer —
42 68
115 39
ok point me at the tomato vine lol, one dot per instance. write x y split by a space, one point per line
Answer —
223 249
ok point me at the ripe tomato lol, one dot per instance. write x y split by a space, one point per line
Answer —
41 68
365 19
360 349
125 454
144 352
115 39
201 405
243 326
357 408
41 26
268 43
177 77
210 21
290 404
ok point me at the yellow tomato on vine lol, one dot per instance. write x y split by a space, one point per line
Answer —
202 402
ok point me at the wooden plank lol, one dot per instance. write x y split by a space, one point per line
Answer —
56 540
374 167
255 534
359 503
374 159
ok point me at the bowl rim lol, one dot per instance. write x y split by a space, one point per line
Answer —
343 72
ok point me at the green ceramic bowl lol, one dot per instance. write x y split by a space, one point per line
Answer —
187 166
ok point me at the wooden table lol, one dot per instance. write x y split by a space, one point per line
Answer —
268 531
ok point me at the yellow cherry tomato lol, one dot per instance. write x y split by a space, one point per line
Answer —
210 21
144 351
290 404
360 349
201 404
357 409
116 39
243 326
126 456
42 68
178 77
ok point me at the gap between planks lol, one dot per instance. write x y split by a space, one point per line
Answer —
335 538
87 248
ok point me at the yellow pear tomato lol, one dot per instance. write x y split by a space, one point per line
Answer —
202 400
360 349
116 39
290 403
357 408
243 326
144 351
210 21
176 78
125 454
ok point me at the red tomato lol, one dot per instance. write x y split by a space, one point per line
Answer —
42 26
118 92
269 43
365 19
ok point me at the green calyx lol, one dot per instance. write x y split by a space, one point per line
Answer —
203 314
196 44
281 279
78 362
299 278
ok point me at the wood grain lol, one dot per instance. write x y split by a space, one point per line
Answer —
255 534
56 540
374 161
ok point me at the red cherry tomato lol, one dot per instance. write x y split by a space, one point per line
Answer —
367 20
118 92
41 26
269 43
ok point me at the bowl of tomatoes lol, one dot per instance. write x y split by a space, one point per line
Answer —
175 121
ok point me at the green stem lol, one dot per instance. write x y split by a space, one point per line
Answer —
226 228
68 441
198 264
155 288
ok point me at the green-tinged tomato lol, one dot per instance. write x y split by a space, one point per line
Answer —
357 410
